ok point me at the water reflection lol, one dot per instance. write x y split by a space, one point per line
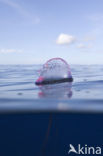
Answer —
56 91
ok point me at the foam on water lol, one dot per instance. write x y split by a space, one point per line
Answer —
17 88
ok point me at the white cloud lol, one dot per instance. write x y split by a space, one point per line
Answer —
24 13
10 51
96 17
90 38
83 46
65 39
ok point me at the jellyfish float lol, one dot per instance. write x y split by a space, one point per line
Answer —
55 70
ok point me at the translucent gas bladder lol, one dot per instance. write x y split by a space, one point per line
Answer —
55 70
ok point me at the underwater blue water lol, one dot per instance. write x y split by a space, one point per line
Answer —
43 121
18 91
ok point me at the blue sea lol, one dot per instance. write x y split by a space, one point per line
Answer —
18 92
45 120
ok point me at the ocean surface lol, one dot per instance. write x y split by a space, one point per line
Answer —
44 121
18 92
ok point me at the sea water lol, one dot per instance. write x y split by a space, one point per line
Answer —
18 91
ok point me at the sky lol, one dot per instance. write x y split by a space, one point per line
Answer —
33 31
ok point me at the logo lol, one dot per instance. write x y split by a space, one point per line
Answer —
84 150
